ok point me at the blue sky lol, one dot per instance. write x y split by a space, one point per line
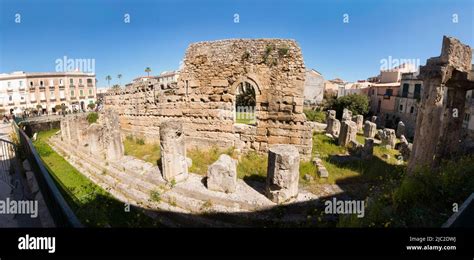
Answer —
160 31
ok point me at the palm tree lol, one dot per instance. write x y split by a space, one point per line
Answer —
148 70
108 78
119 76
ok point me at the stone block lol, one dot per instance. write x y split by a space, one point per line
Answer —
282 173
222 175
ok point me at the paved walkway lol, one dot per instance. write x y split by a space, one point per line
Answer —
12 184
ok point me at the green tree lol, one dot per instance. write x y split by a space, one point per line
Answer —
148 70
358 104
108 78
246 95
119 76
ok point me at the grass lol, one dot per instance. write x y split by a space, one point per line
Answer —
92 205
137 147
366 169
253 166
247 118
203 158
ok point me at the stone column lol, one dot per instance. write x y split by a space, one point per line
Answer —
446 80
359 120
348 133
368 150
370 129
114 146
333 125
173 151
401 129
282 173
388 138
346 115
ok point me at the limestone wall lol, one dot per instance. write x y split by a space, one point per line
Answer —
204 97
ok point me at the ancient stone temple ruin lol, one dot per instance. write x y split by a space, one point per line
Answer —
204 99
101 138
446 79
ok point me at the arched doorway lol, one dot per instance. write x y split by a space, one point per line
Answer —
245 103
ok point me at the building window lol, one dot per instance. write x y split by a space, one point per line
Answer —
72 93
417 94
81 92
51 95
412 109
71 81
51 82
60 81
401 107
41 83
8 83
31 83
21 83
80 81
389 92
90 91
10 98
89 81
405 90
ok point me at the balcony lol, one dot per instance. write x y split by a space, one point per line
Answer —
22 88
81 85
62 99
73 98
10 89
11 103
82 97
52 87
52 99
23 103
61 86
91 96
33 101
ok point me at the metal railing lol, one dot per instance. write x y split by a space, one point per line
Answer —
7 154
60 211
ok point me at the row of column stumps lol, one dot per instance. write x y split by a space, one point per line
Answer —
346 130
282 172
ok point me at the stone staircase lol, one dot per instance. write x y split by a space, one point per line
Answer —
188 203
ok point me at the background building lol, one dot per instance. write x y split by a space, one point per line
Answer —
22 92
384 94
313 87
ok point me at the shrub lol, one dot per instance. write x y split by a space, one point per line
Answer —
246 55
422 199
315 116
282 51
358 104
155 196
140 141
92 117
